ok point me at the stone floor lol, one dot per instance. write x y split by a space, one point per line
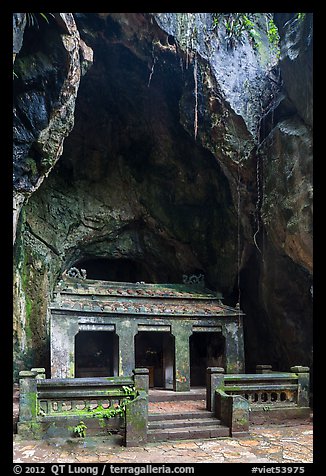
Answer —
291 442
277 444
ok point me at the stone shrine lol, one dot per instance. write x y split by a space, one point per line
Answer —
106 328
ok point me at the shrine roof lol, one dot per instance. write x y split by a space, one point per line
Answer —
86 295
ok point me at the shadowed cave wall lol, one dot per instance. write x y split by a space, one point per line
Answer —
136 187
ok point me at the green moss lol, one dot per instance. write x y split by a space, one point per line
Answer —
31 429
71 372
28 307
30 402
233 368
242 421
31 164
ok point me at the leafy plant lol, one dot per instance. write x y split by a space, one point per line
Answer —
298 17
301 16
129 390
32 18
236 25
116 409
273 36
80 430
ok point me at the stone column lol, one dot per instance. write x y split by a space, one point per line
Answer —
234 348
168 361
115 355
126 331
27 396
303 384
214 379
181 331
62 335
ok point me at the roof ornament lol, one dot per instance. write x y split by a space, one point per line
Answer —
76 273
193 279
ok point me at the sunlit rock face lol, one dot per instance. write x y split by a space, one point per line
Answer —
171 167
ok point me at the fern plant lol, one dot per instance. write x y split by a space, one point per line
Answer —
32 18
80 430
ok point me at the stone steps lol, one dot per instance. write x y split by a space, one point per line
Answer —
171 396
184 426
179 416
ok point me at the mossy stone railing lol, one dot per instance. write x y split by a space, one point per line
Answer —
54 407
281 389
233 396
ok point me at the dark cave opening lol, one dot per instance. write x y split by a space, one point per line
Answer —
122 270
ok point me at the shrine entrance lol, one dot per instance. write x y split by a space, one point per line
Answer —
96 354
207 349
155 351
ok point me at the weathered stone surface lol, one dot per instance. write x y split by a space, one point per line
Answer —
19 23
136 420
297 61
47 76
137 179
288 190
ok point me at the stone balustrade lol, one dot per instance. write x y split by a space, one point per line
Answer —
54 407
276 394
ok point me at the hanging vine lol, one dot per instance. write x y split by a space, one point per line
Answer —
196 98
258 202
153 65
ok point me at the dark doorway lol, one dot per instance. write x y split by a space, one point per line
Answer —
95 354
155 351
122 270
206 350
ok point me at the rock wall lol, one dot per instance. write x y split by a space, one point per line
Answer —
49 58
47 73
185 156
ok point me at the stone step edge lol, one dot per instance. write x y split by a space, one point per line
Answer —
176 398
188 433
195 422
180 416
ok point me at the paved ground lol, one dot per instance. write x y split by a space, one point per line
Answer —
290 442
280 444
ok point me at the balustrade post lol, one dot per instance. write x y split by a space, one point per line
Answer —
303 384
239 416
214 380
27 396
137 411
40 372
141 379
